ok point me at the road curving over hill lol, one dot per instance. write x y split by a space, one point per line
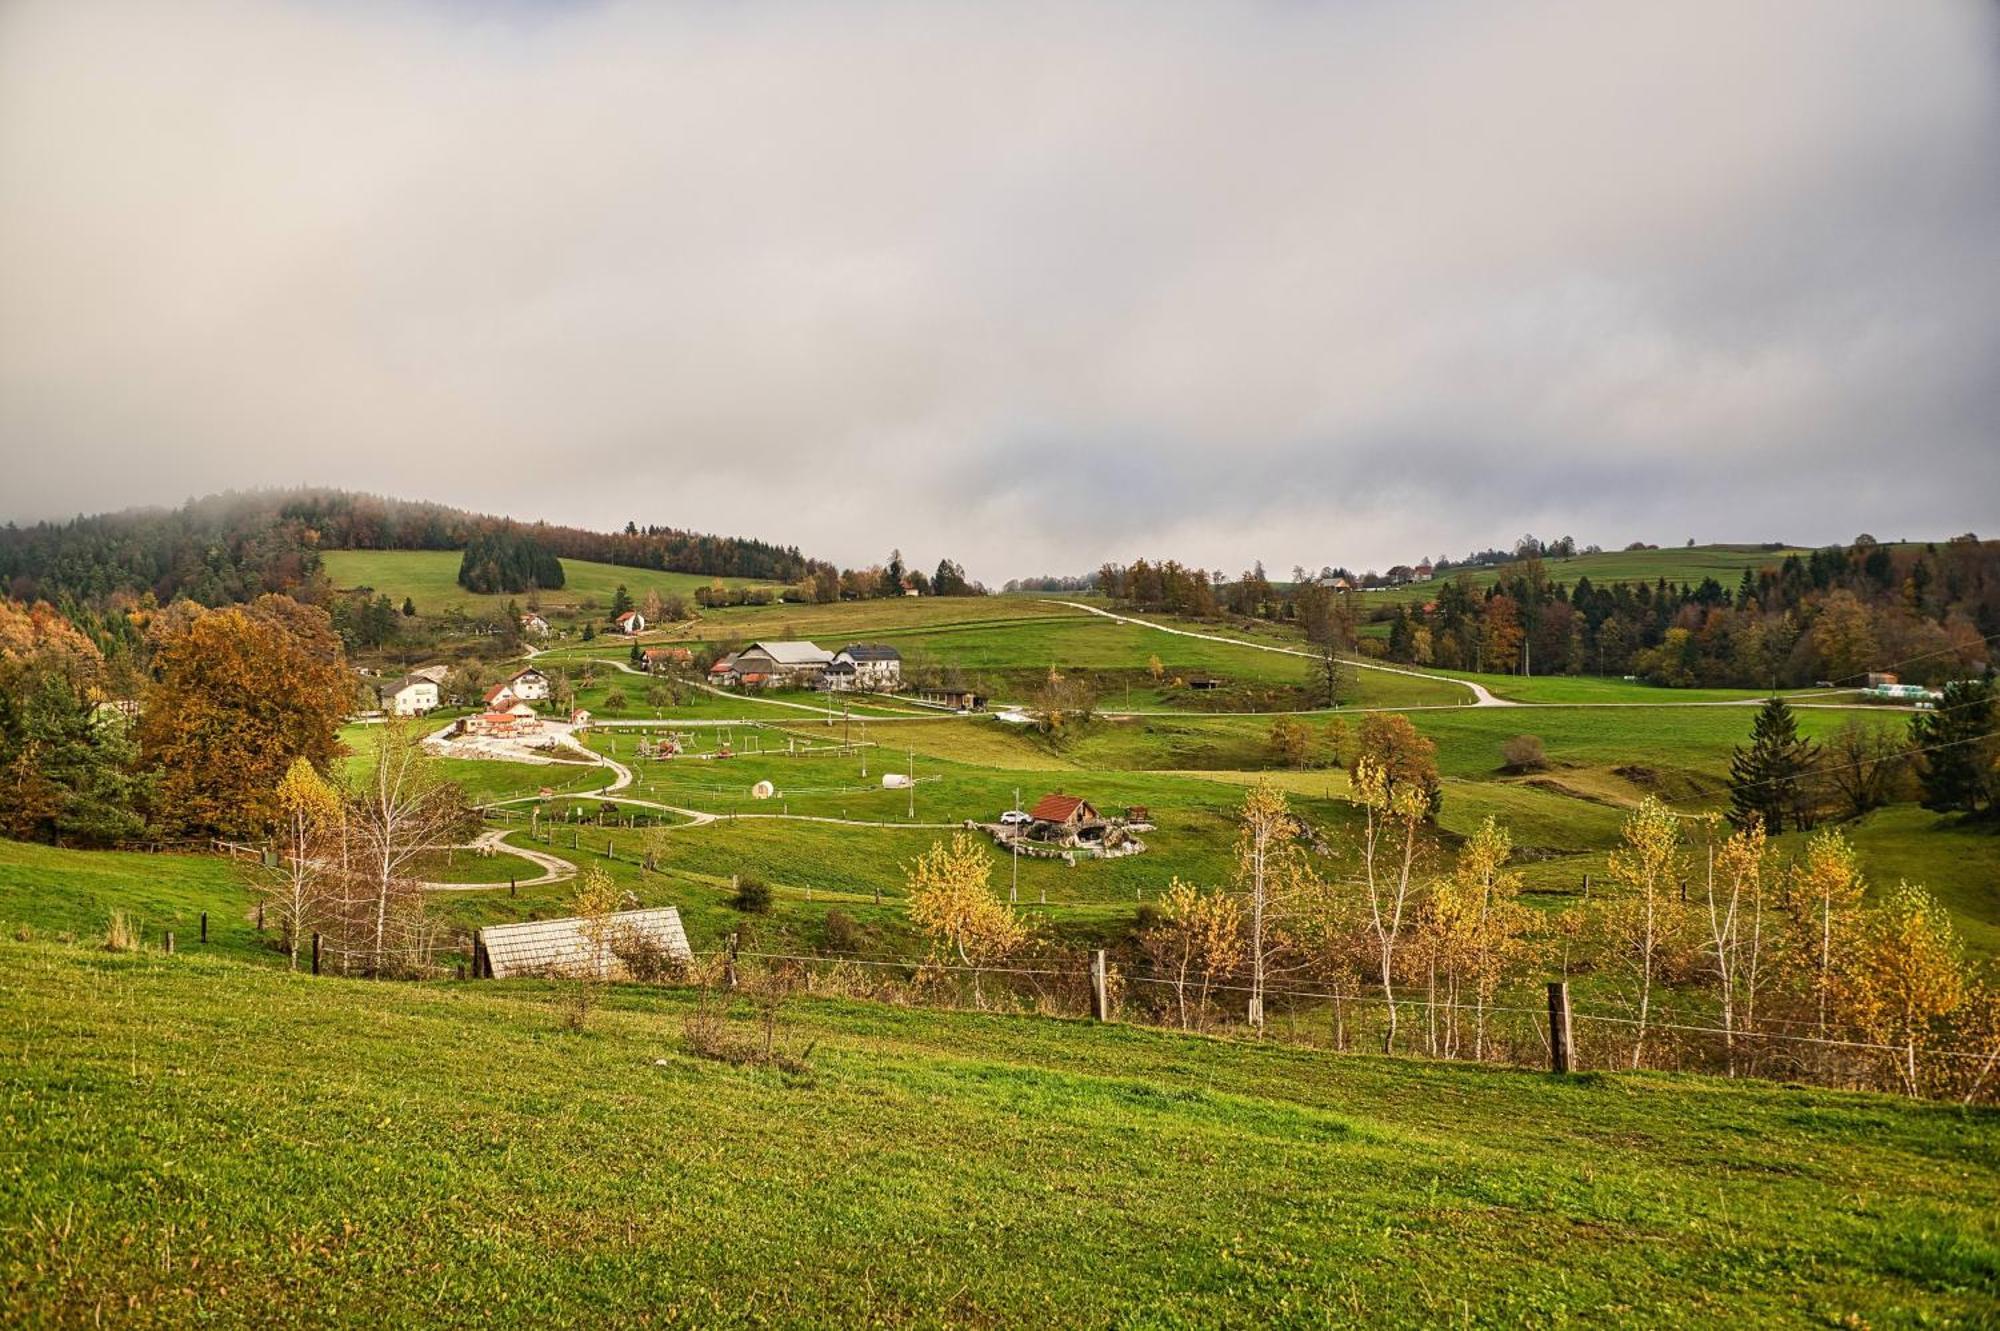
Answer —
1481 697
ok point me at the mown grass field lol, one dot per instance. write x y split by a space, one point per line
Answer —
430 579
192 1140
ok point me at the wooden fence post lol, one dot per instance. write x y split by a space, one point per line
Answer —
204 926
170 942
1100 989
1560 1047
729 966
315 952
1586 887
512 885
260 917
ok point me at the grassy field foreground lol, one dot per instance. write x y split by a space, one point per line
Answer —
194 1140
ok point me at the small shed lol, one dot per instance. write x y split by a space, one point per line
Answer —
563 947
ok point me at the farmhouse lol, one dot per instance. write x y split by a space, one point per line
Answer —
530 684
630 623
436 674
1423 570
723 672
783 662
412 695
534 626
839 677
657 659
876 667
500 697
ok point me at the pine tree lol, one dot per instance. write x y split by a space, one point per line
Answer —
621 601
1767 780
1957 743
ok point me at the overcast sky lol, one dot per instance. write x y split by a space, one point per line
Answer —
1031 286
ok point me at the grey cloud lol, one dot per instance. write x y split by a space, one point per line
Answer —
1033 287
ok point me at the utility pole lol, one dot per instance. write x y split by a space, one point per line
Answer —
1014 844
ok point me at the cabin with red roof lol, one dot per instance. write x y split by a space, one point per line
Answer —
1063 810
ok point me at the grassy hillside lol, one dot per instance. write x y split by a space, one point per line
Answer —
430 579
1677 564
192 1140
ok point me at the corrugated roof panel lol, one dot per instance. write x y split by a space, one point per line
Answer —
545 947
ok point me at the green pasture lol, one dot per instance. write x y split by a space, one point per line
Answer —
192 1141
430 579
1677 564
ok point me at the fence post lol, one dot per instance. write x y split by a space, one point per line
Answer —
170 942
1586 887
610 849
729 965
512 884
1100 995
315 952
260 917
204 926
1560 1048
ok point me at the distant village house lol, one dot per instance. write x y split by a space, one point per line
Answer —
412 695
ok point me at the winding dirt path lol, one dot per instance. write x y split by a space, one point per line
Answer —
553 868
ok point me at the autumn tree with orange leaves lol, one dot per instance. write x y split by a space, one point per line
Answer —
238 695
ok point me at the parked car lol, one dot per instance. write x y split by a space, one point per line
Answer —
1014 818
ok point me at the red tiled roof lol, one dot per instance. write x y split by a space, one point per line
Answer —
1059 808
496 691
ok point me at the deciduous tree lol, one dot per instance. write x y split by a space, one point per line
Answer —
1394 811
238 695
952 903
1645 924
297 885
1197 943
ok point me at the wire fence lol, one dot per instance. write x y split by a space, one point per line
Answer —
1407 1021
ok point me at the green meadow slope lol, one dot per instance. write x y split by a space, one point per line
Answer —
1677 564
429 578
195 1141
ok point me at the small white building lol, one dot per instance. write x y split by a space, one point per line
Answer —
530 684
412 695
534 626
630 623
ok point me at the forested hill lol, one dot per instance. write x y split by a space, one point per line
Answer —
235 546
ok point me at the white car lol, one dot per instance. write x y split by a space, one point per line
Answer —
1014 818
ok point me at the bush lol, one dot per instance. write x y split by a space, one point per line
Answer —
753 895
1523 753
843 933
